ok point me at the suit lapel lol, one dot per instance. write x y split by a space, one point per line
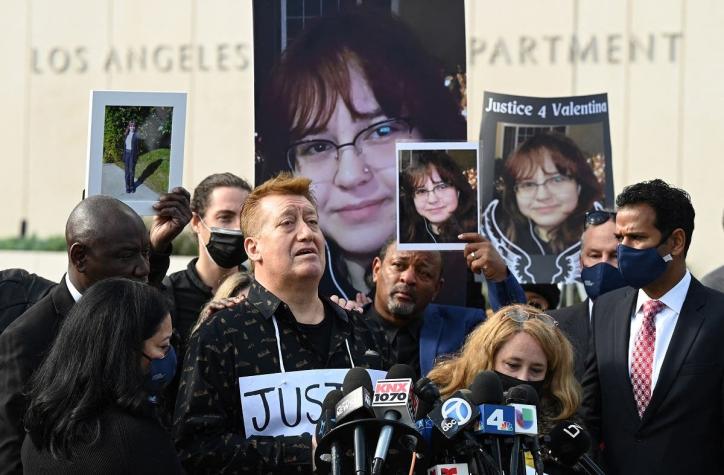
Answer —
687 327
623 310
429 338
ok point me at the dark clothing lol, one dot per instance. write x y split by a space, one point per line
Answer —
130 158
188 295
241 341
127 445
18 291
23 345
574 322
681 429
319 336
403 343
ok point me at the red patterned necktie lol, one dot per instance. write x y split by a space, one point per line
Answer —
642 361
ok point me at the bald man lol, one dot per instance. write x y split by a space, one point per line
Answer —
104 238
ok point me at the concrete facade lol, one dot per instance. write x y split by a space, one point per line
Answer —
660 62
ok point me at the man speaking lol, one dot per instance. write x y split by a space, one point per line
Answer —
283 326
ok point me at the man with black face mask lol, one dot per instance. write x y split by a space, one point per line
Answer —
216 205
653 384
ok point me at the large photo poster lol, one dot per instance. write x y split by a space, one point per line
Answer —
336 88
550 163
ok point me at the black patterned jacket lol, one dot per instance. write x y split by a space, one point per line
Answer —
240 341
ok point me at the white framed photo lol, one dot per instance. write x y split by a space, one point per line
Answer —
135 146
437 194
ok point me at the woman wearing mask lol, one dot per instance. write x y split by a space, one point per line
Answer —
343 93
547 189
93 401
437 203
523 346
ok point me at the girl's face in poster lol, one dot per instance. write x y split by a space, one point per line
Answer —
547 197
435 200
356 200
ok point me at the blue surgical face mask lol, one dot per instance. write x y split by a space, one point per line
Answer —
160 372
640 267
601 278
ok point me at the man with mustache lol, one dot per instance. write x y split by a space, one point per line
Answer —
416 331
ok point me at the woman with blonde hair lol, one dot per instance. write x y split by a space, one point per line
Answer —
523 346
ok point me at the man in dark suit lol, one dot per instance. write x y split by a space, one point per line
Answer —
653 392
131 150
416 330
599 275
104 238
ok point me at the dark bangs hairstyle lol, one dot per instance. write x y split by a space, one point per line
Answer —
94 363
313 73
569 161
414 176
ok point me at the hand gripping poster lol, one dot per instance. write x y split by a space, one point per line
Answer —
546 163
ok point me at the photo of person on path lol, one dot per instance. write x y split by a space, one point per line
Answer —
131 148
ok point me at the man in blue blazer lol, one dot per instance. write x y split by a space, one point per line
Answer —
417 331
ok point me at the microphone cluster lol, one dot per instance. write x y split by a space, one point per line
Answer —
476 431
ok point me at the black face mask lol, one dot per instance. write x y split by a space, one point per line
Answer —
509 382
226 247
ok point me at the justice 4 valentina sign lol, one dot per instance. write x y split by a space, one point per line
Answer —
288 403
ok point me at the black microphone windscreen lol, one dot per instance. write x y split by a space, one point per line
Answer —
331 399
356 378
567 442
522 394
487 388
400 371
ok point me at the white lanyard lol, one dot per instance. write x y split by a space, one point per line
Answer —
279 347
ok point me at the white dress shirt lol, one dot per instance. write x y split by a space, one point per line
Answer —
665 323
71 288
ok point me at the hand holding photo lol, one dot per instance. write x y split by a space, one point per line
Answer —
135 146
437 194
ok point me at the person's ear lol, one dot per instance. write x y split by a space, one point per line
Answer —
376 266
253 249
78 255
196 222
678 242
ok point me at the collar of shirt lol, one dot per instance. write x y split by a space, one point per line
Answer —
665 323
71 288
193 276
267 303
392 330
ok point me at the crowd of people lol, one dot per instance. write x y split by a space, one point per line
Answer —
120 368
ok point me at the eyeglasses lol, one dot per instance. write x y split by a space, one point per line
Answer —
528 189
598 217
319 159
520 315
422 194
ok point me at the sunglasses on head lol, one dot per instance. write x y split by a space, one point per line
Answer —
599 216
520 315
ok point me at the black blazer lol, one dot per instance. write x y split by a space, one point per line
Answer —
681 430
574 323
22 348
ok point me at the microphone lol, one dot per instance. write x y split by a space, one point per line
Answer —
428 396
523 399
568 443
455 414
487 392
449 469
356 404
327 421
394 400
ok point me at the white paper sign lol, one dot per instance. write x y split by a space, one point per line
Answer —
289 403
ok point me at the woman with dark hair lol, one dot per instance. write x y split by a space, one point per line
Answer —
548 187
341 96
437 202
92 401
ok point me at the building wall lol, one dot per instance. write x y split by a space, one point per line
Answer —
661 63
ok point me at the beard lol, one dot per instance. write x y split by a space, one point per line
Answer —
401 309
